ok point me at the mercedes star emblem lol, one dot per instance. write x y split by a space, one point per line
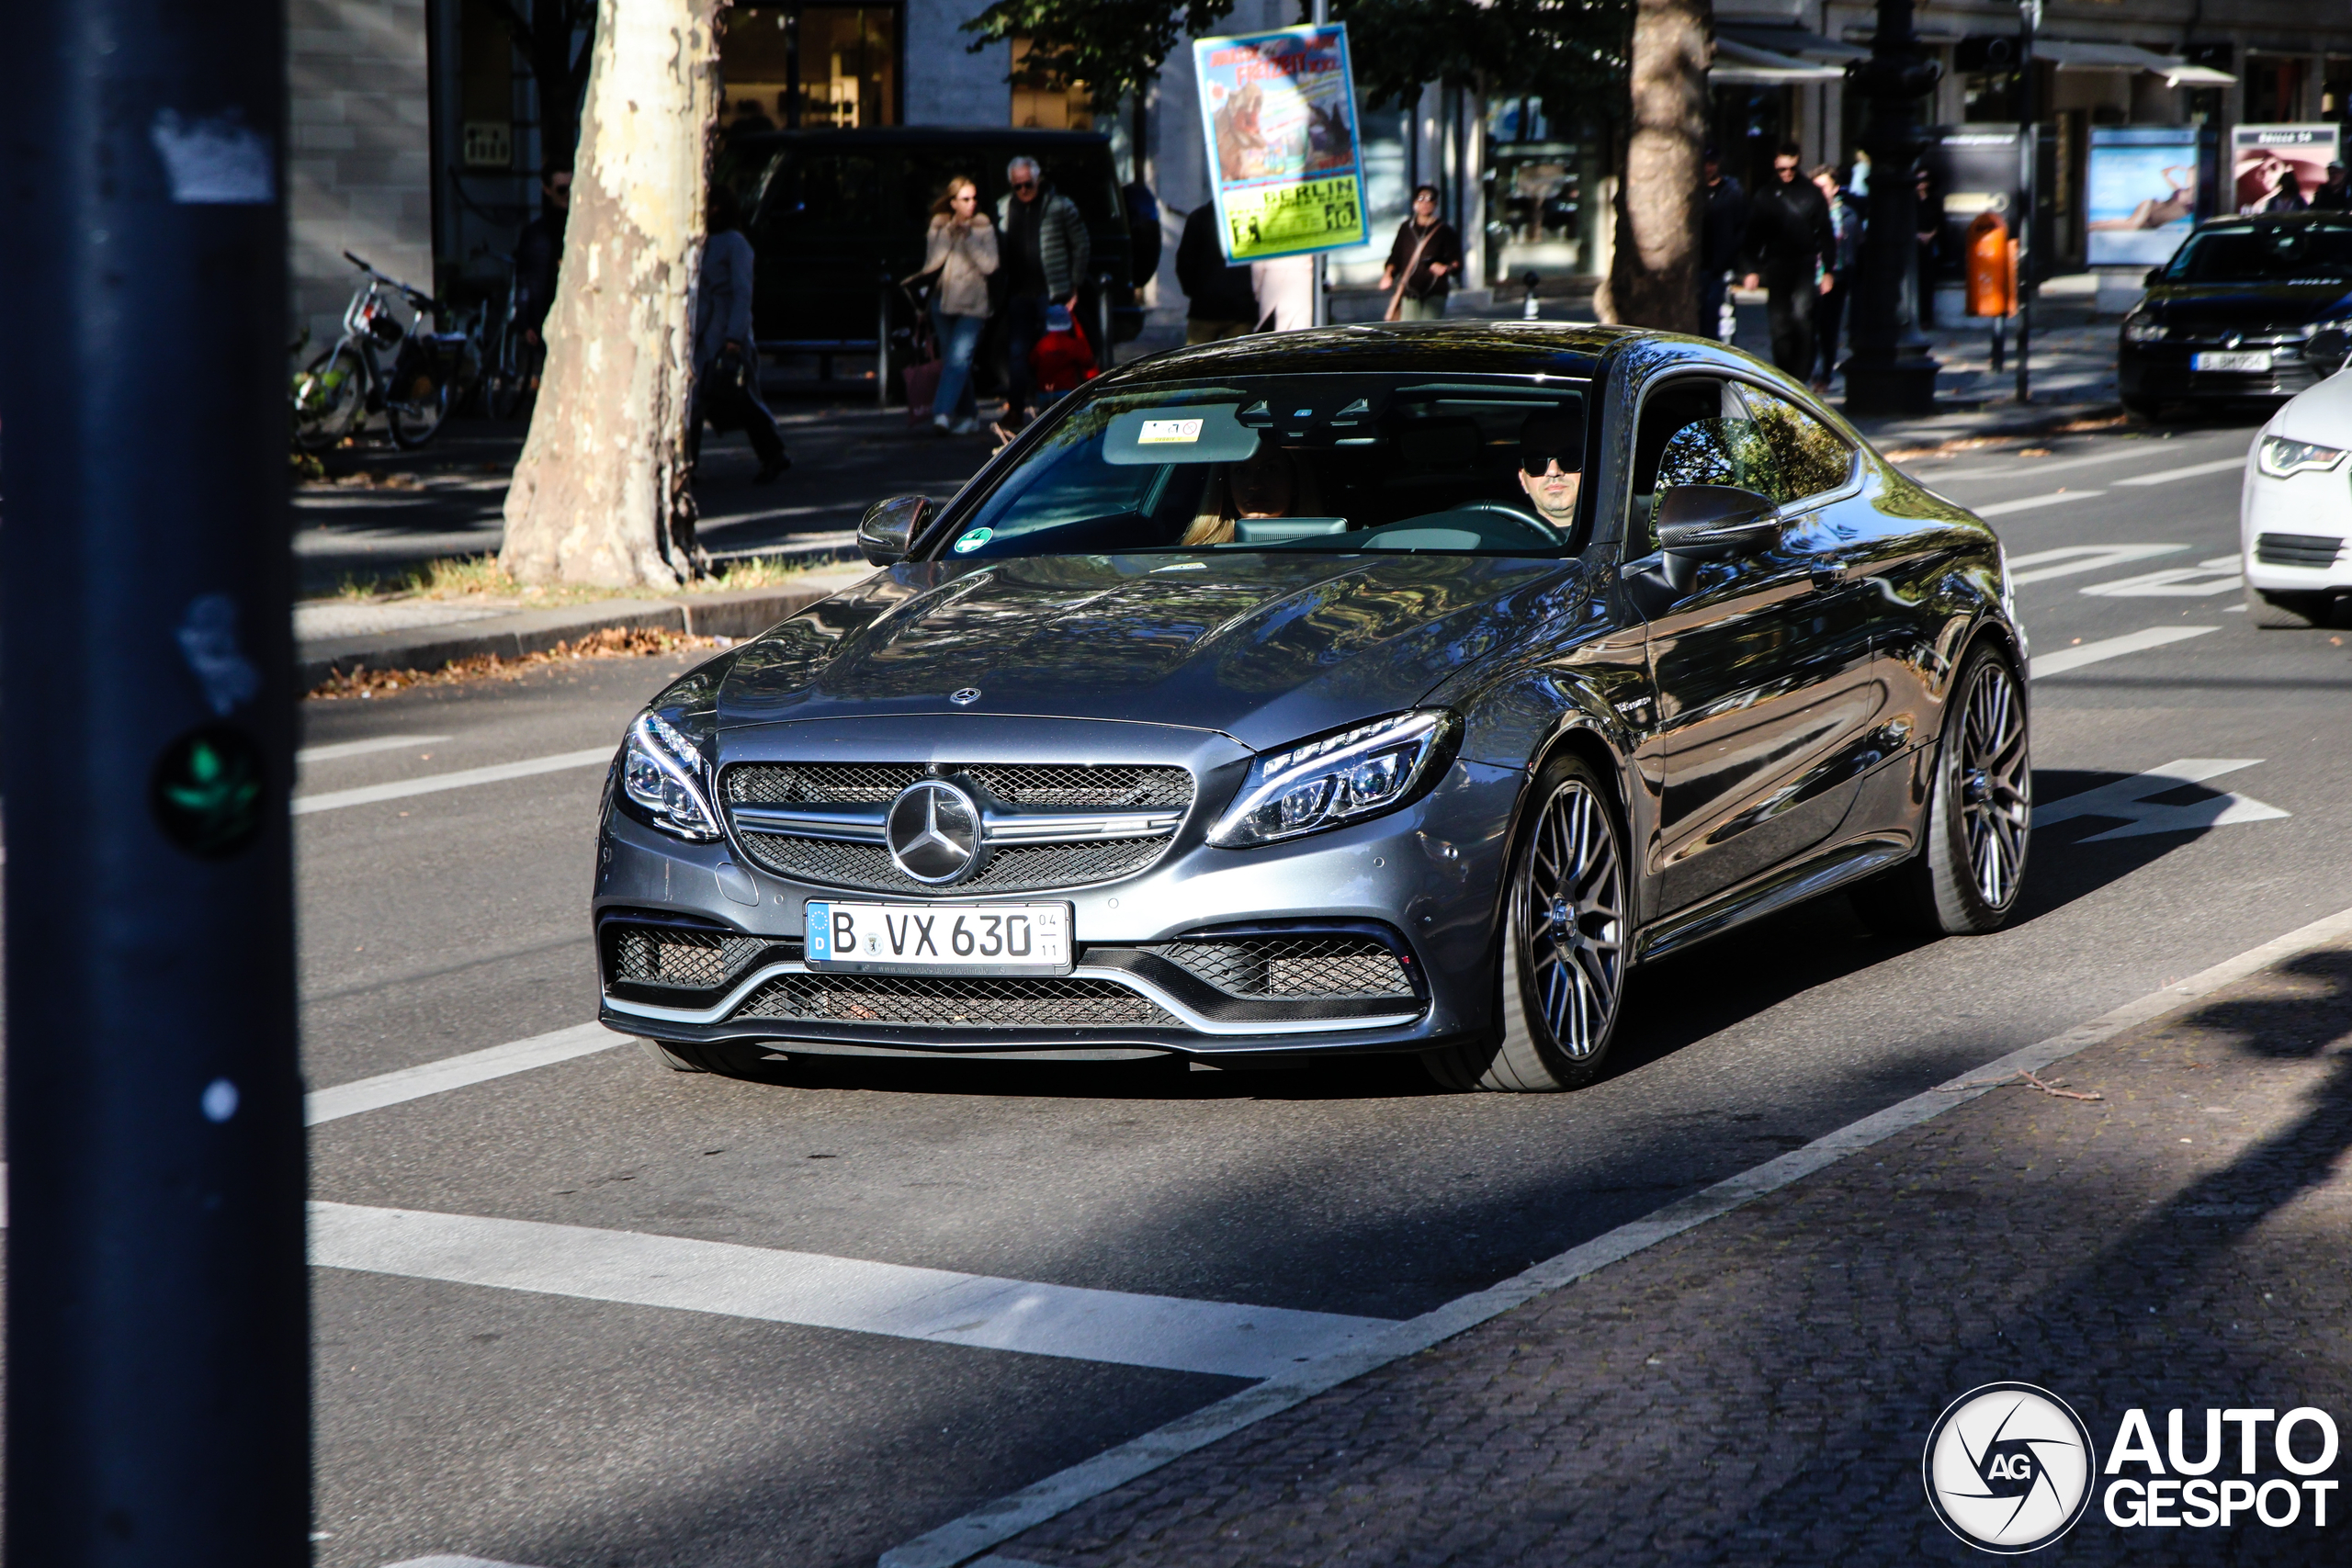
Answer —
934 831
966 698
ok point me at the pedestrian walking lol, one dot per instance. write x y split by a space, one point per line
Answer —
539 259
1723 224
961 254
1144 238
1846 224
1045 252
1220 302
2334 194
2287 196
726 363
1789 247
1422 262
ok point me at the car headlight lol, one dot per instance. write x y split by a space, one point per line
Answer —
1335 779
2279 457
661 772
2144 329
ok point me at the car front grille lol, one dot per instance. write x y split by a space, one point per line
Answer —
681 960
1325 967
2297 550
1015 868
956 1002
1029 866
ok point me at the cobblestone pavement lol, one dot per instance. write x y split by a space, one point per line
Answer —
1759 1390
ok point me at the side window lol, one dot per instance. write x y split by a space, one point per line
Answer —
1696 431
1811 457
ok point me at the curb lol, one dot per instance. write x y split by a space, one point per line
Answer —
968 1540
743 613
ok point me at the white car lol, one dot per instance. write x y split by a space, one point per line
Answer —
2295 510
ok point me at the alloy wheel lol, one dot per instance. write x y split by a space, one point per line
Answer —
1996 784
1571 919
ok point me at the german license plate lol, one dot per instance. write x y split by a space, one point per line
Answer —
2233 359
931 939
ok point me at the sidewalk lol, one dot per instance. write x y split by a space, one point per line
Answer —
1758 1390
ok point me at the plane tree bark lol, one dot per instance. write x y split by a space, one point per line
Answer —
601 495
1654 271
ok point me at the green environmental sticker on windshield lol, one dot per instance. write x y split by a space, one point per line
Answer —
974 540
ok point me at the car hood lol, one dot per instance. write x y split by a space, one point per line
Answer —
2322 414
1266 648
2245 307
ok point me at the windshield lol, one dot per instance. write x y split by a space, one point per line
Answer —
2266 253
1335 463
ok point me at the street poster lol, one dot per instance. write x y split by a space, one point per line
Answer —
1285 168
2262 156
2140 193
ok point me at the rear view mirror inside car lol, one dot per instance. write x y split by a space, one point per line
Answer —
1197 433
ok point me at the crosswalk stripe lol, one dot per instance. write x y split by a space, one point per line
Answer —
815 1290
368 794
456 1072
310 754
2057 498
2067 658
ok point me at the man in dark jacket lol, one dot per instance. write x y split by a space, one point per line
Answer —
1044 252
1723 222
1221 303
1791 249
538 255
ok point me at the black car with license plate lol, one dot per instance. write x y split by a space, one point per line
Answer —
1386 688
2257 307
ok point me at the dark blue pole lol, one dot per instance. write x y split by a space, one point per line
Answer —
1891 370
157 1339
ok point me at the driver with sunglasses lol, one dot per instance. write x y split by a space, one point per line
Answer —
1551 467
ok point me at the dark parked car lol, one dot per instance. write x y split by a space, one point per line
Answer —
2257 307
837 214
1380 688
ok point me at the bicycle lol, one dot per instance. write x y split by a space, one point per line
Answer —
430 371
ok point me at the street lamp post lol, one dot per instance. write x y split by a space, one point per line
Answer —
1891 371
2030 152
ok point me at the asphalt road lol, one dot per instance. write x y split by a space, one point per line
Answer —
620 1399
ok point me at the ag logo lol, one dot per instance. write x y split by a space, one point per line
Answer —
2008 1467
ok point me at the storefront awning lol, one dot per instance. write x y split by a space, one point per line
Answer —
1744 65
2069 55
1795 42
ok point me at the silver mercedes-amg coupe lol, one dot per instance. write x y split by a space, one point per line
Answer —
1374 689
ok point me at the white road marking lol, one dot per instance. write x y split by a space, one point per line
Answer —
2126 800
368 794
2033 468
2042 565
310 754
2219 575
2057 498
2194 470
931 1305
2067 658
456 1072
961 1540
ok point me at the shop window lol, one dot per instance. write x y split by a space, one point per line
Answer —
1046 100
816 67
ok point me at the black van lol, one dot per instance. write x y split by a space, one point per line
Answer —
837 214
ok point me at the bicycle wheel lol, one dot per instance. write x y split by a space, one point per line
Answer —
330 395
417 417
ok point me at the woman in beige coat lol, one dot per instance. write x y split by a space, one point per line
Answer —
962 250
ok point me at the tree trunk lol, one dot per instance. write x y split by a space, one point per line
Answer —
601 495
1654 276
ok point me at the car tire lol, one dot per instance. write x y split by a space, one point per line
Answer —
1560 965
1978 824
2281 612
677 1058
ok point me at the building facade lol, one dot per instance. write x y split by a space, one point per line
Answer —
415 124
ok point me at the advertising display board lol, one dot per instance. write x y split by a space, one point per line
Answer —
2140 193
1285 167
2261 155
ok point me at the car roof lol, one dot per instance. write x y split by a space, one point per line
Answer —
1520 348
2328 219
